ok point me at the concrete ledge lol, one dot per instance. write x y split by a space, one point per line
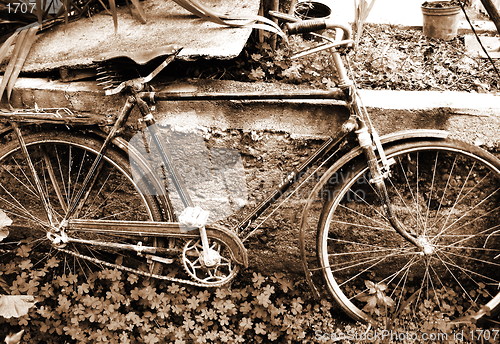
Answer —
481 104
474 117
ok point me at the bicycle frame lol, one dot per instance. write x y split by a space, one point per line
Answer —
346 93
292 177
366 134
358 122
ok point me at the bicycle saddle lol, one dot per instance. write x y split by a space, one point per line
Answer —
110 76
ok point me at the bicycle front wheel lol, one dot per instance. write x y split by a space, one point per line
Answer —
39 185
446 194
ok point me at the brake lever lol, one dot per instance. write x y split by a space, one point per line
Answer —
334 44
284 17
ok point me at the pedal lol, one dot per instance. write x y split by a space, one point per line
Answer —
160 259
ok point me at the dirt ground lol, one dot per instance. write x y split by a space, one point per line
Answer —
387 57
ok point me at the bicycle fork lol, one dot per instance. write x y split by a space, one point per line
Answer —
369 142
378 176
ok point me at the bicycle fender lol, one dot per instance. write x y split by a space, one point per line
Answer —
238 250
387 141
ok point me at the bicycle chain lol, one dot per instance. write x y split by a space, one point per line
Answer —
138 272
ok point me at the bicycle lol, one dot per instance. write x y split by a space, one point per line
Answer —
412 226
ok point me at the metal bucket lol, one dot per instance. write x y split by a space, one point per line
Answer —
440 22
309 9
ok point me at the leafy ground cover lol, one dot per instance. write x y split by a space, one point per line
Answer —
108 306
387 57
395 58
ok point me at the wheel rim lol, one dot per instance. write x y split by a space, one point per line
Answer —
61 165
453 209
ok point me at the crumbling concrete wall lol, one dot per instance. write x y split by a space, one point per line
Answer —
271 137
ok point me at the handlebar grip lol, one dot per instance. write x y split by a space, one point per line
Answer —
306 26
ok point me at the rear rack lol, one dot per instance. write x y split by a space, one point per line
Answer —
53 116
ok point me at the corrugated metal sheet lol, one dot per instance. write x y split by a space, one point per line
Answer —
79 43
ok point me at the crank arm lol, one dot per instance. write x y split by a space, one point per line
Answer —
161 229
207 257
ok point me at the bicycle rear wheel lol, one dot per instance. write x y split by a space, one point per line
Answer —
61 160
446 193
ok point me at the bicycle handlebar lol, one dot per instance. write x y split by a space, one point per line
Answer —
294 26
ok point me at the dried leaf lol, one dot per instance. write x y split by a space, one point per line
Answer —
10 67
14 338
15 305
114 13
362 10
140 12
26 45
6 45
4 219
5 222
256 22
4 285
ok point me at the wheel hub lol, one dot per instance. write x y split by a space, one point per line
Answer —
58 238
426 246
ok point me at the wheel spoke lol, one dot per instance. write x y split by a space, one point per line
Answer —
472 258
476 187
427 213
34 174
407 184
44 177
448 197
363 215
23 210
406 268
25 187
92 208
354 224
464 237
464 270
396 189
53 179
385 258
373 208
467 213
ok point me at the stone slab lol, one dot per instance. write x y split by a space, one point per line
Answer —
81 42
491 44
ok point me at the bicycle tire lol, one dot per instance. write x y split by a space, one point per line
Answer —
446 192
61 160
